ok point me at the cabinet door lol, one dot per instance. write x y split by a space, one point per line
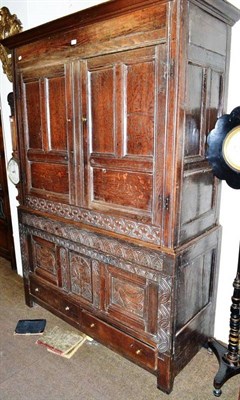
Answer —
46 147
122 93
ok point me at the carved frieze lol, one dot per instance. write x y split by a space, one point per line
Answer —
110 223
113 247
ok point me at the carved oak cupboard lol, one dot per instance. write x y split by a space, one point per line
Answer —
118 205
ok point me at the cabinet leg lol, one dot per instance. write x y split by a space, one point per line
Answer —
165 377
28 300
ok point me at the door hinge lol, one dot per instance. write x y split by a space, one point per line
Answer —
164 202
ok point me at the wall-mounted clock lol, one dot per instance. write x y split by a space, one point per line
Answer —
13 171
223 151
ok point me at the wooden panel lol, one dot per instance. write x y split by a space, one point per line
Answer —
195 110
81 276
123 188
198 195
216 91
33 114
131 299
119 100
47 136
194 287
125 31
44 259
46 108
199 204
57 113
215 31
55 180
126 297
102 94
140 100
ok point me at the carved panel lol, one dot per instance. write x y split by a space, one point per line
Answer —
81 276
128 296
45 258
64 263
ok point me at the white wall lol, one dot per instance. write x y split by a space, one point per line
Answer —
35 12
230 210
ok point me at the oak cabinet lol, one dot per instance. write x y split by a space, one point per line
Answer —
118 205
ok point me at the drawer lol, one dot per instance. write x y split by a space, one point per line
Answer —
133 349
53 298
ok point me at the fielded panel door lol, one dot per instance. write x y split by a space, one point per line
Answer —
47 148
123 115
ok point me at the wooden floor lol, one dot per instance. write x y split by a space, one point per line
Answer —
29 372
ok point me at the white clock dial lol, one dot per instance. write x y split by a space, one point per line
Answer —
231 149
13 171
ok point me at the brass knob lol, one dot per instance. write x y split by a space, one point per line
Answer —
67 308
92 325
138 351
36 290
84 119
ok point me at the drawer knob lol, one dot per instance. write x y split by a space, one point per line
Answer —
92 325
138 351
36 289
67 308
